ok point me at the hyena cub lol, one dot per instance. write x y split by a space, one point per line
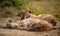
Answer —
11 25
27 14
51 19
33 24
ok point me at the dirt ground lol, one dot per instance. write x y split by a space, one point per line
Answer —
16 32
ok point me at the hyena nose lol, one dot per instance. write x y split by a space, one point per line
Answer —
54 23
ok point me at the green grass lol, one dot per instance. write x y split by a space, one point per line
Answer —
57 16
37 12
21 5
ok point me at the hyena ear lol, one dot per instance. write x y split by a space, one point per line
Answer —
23 15
10 20
30 11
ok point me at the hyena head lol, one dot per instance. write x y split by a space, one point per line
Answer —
25 15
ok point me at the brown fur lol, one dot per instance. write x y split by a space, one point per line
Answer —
26 15
51 19
12 25
35 24
45 25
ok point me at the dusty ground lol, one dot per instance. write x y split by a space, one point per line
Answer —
7 32
15 32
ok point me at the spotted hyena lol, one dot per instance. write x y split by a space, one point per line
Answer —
51 19
33 24
27 14
11 25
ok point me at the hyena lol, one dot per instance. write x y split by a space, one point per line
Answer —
51 19
27 14
33 24
12 25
